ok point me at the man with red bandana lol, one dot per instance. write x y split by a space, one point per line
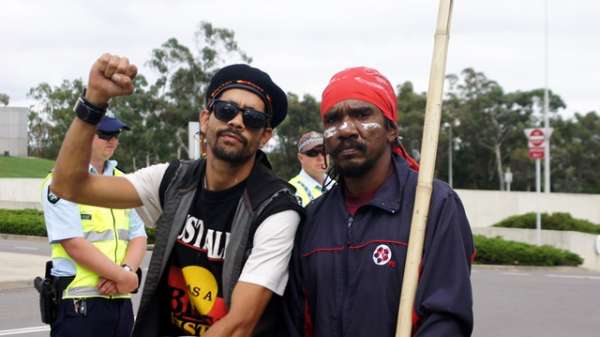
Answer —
349 257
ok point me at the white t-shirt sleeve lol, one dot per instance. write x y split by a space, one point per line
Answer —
146 182
267 265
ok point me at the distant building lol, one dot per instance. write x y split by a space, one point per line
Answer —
13 131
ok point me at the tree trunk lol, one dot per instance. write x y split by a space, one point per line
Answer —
499 165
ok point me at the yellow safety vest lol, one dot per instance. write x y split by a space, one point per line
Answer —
303 191
108 230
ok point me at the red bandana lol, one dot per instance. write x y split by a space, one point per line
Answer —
365 84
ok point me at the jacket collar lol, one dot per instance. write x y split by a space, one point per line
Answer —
260 184
389 196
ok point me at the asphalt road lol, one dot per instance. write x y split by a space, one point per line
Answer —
37 247
509 302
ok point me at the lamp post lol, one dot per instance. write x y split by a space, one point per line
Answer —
452 145
547 131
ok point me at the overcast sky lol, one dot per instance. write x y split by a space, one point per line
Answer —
303 43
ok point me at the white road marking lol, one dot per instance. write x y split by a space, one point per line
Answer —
24 330
26 248
515 274
578 277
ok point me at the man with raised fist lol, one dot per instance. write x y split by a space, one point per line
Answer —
224 224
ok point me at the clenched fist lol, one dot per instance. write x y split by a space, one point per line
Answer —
110 76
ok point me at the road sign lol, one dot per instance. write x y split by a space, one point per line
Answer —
536 142
536 137
536 153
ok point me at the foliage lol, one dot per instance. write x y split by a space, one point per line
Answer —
22 222
575 149
303 116
18 167
31 222
411 114
491 128
499 251
555 221
487 121
4 99
158 112
50 117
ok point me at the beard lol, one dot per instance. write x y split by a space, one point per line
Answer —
353 170
347 168
350 167
234 157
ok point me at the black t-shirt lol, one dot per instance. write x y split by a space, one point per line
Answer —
191 289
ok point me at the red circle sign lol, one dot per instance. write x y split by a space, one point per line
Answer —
536 137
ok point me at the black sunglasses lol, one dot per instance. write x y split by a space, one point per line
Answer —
313 153
226 111
107 135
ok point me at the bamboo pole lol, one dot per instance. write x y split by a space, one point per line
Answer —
433 112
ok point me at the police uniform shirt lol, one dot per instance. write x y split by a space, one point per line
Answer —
63 220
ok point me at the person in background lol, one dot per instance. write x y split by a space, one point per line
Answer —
312 178
95 251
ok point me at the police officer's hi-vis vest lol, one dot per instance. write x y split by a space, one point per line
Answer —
305 193
108 230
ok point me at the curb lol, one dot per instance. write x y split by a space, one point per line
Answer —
23 237
5 236
16 284
531 268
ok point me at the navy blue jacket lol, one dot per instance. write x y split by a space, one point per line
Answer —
346 271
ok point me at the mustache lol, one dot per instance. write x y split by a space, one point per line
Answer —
233 132
349 144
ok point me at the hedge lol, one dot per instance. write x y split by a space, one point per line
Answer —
22 222
489 250
499 251
554 221
31 222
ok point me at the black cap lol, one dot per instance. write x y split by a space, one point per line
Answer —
235 76
111 125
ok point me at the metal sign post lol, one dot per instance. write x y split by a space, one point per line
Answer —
538 189
537 141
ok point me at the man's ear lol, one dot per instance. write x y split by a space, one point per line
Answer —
203 119
265 136
392 131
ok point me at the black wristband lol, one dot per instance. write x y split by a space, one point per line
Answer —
87 111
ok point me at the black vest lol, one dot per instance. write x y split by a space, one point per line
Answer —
177 192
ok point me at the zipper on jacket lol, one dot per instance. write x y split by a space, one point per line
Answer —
346 274
115 234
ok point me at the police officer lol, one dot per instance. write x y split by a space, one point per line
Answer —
95 252
311 180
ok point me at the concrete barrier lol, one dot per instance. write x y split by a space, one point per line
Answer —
485 208
19 193
582 244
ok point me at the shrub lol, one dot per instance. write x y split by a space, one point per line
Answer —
554 221
22 222
499 251
31 222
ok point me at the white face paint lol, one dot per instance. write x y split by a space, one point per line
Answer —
343 126
332 131
369 126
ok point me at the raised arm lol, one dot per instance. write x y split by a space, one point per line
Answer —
110 76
